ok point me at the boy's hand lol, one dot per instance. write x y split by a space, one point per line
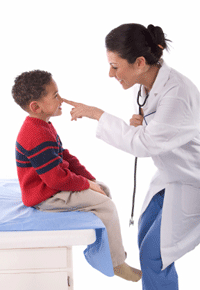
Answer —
94 186
81 110
137 120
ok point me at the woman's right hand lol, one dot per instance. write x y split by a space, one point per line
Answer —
80 110
96 187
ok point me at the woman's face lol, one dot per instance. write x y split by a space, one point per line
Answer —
127 74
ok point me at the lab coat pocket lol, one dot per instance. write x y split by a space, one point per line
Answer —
149 117
190 200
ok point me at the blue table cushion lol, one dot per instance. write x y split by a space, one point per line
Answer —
15 216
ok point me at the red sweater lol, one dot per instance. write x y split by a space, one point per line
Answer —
43 166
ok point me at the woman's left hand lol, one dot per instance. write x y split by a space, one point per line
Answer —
81 110
137 120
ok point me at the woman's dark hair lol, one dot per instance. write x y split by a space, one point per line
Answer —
30 86
131 41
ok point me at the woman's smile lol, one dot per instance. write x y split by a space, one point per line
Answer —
119 80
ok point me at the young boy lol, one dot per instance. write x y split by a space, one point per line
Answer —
51 179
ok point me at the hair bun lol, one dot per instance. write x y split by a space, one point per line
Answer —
157 35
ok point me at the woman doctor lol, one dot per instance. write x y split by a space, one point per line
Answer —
169 132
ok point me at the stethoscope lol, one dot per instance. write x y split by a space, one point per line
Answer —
131 222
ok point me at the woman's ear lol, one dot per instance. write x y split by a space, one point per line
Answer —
34 107
140 62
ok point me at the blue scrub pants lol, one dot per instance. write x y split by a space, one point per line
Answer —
149 244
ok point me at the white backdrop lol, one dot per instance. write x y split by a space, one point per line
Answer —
66 38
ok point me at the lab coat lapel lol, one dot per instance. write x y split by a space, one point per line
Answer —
161 79
155 93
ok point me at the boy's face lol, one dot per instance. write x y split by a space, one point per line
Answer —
50 104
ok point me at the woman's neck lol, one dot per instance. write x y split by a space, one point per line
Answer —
150 76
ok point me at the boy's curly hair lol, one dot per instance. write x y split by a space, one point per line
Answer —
30 86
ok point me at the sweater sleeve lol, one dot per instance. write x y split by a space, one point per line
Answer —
45 158
172 126
75 166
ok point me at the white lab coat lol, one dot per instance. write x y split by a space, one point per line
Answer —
171 136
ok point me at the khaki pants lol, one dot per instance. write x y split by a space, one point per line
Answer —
91 201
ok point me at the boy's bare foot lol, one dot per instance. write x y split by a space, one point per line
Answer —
128 273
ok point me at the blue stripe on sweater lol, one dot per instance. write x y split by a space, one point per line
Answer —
37 148
23 165
21 157
48 167
44 157
24 158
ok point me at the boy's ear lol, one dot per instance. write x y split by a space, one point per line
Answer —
34 107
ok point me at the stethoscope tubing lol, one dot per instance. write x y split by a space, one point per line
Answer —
131 222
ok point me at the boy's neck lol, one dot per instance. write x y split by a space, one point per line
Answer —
39 117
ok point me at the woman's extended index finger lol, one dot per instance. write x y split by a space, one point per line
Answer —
70 102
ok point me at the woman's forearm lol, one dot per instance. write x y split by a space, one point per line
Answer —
96 114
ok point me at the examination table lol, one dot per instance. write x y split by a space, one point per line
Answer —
36 247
